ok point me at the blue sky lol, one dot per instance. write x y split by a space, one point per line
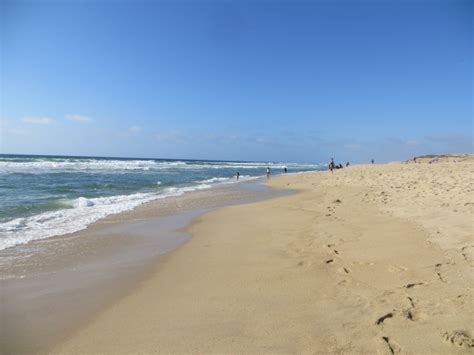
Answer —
250 80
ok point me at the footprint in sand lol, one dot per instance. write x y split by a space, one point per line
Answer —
460 338
344 270
381 319
363 263
411 285
342 282
393 346
409 314
462 299
468 252
396 268
438 273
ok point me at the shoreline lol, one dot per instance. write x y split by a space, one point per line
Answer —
132 202
57 284
371 259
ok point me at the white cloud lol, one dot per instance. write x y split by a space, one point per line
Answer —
19 132
79 118
135 129
38 120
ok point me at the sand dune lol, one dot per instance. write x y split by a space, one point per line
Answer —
446 158
371 259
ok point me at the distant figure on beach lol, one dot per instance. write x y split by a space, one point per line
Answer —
414 160
347 164
285 170
268 172
372 161
332 166
238 175
339 166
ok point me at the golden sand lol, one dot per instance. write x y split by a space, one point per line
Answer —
370 259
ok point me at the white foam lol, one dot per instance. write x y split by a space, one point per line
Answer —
215 179
248 177
226 180
58 165
87 165
83 212
83 202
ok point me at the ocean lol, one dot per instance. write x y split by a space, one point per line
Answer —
46 196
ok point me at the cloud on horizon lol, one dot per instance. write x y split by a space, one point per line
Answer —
78 118
19 131
38 120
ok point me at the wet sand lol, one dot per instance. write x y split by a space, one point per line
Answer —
53 286
372 259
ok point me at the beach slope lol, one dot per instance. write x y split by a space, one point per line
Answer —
371 259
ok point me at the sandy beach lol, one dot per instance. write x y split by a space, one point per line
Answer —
50 287
371 259
236 177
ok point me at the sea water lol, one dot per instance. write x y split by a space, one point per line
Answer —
45 196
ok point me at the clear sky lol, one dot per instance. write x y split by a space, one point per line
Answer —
251 80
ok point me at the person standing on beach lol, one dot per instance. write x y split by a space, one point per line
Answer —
372 161
268 172
286 170
332 165
238 175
